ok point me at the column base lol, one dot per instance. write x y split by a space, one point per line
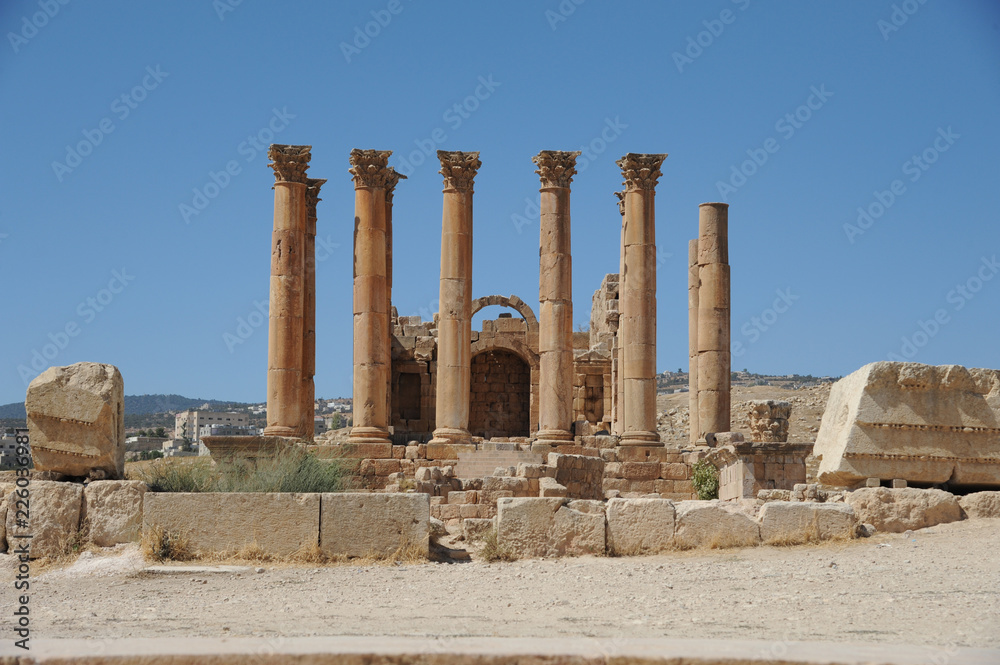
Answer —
447 435
639 439
281 430
369 435
556 436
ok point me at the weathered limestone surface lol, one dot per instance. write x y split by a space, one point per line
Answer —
279 523
54 517
918 423
769 420
538 527
76 420
356 524
640 526
112 511
898 510
286 307
714 360
555 341
637 328
5 498
713 524
308 396
980 504
793 523
694 283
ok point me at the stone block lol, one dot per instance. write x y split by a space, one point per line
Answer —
112 511
280 524
355 524
919 423
899 510
366 450
384 467
640 526
447 451
713 524
674 471
981 504
475 529
537 527
76 420
53 517
787 523
640 470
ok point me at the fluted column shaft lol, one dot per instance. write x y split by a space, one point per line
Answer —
308 396
285 353
555 294
693 284
637 330
714 361
371 307
454 359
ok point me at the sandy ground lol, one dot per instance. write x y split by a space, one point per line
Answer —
938 586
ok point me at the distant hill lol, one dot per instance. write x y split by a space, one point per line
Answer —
136 405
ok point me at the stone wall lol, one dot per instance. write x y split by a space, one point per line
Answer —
501 394
747 468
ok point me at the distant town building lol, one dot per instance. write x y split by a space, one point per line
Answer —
177 448
217 429
144 443
8 448
188 424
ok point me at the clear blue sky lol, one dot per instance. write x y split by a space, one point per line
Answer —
209 78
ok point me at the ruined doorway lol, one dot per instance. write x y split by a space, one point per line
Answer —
501 395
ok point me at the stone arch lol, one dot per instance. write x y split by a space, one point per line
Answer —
512 302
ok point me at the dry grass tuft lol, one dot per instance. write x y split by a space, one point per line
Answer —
160 545
493 551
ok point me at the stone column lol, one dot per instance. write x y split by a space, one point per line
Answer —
390 186
637 330
714 363
555 293
286 308
619 387
308 396
371 306
693 283
454 353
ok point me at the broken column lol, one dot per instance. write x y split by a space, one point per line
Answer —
637 331
371 175
308 396
454 363
285 351
555 293
693 284
714 362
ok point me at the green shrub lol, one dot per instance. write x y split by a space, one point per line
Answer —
705 478
292 470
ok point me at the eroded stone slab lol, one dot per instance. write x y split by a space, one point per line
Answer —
76 420
794 523
903 509
714 524
112 511
280 524
53 517
640 526
980 504
359 524
537 527
919 423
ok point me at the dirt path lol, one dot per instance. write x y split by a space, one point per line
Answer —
939 586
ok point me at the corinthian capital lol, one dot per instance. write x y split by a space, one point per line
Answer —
289 162
640 171
313 186
390 183
459 169
556 168
370 168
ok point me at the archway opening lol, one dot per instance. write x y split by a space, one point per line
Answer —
500 403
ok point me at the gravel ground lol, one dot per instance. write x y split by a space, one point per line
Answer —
938 586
